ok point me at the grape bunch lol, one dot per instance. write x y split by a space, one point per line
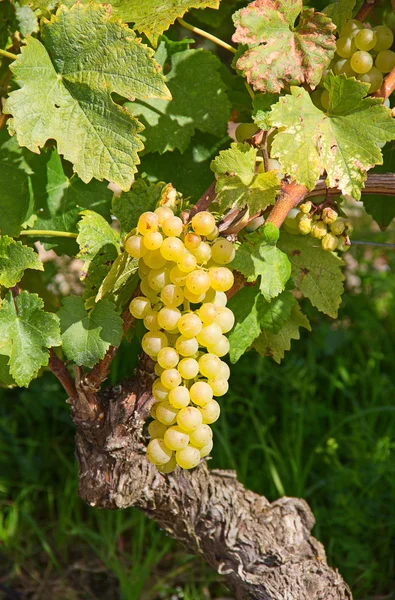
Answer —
322 223
183 307
364 53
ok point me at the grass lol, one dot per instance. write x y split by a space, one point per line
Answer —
320 426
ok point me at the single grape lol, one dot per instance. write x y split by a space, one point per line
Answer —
172 249
189 418
344 244
351 28
203 223
187 262
223 251
188 368
245 131
329 215
158 369
220 348
177 277
134 246
202 253
179 396
201 436
209 335
140 307
385 38
201 393
166 413
153 240
192 241
172 295
168 358
318 230
345 47
305 225
147 290
225 319
224 370
366 39
213 235
220 299
205 451
168 318
163 213
170 466
385 61
189 325
154 259
172 226
188 457
209 365
219 385
329 242
153 342
156 429
152 410
143 268
221 279
193 298
158 453
148 221
207 312
209 412
361 62
343 67
198 282
337 227
151 321
187 346
325 100
306 207
159 391
374 78
175 438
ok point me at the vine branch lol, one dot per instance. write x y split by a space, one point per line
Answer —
366 9
60 371
7 54
387 87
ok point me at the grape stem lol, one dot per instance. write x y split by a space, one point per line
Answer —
387 87
207 35
48 233
9 55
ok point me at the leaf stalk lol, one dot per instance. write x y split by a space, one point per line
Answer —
207 35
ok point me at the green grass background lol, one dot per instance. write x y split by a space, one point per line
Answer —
320 426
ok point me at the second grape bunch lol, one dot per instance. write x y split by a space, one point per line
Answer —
183 307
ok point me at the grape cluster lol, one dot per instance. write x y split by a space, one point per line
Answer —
364 53
322 223
183 265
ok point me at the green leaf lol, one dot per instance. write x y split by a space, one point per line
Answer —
15 197
317 273
237 182
83 58
255 258
15 258
6 379
340 12
129 205
87 336
26 333
343 142
275 344
380 207
273 315
171 124
153 17
99 247
261 112
279 52
121 281
26 19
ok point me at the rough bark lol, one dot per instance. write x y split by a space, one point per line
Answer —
264 550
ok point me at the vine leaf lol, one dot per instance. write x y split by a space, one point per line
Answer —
83 58
194 74
317 273
153 17
128 207
343 142
252 314
121 281
99 247
275 344
87 336
261 104
26 334
380 207
340 12
15 258
278 52
237 182
255 258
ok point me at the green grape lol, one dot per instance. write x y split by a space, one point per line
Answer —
223 251
290 223
187 346
168 358
154 259
209 412
158 453
170 466
207 312
325 101
374 78
219 385
192 241
202 253
220 348
329 242
221 279
351 28
201 436
188 457
153 240
337 227
318 230
245 131
209 365
213 235
187 262
156 429
343 67
205 451
224 370
385 61
175 438
306 207
172 226
147 290
201 393
134 246
329 215
179 396
361 62
189 418
147 222
158 369
177 277
172 295
158 278
305 225
209 335
225 319
316 97
345 47
193 298
151 321
140 307
188 368
203 223
365 39
166 413
190 325
153 342
172 249
163 212
159 391
168 318
385 38
198 282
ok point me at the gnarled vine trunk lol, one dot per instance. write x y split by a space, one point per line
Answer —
264 550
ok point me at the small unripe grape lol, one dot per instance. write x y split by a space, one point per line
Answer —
201 436
213 235
172 249
192 241
172 295
221 279
209 335
177 277
158 453
147 290
175 438
245 131
166 413
179 396
207 312
153 342
168 358
159 391
205 451
220 348
151 321
329 242
168 318
148 221
319 230
189 418
134 246
337 227
305 225
202 253
194 298
187 262
203 223
223 251
385 61
385 38
154 259
219 385
170 378
163 213
306 207
153 240
361 62
189 325
188 457
172 226
365 39
329 215
188 368
198 282
209 365
187 346
169 466
201 393
156 429
344 244
225 319
209 412
140 307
